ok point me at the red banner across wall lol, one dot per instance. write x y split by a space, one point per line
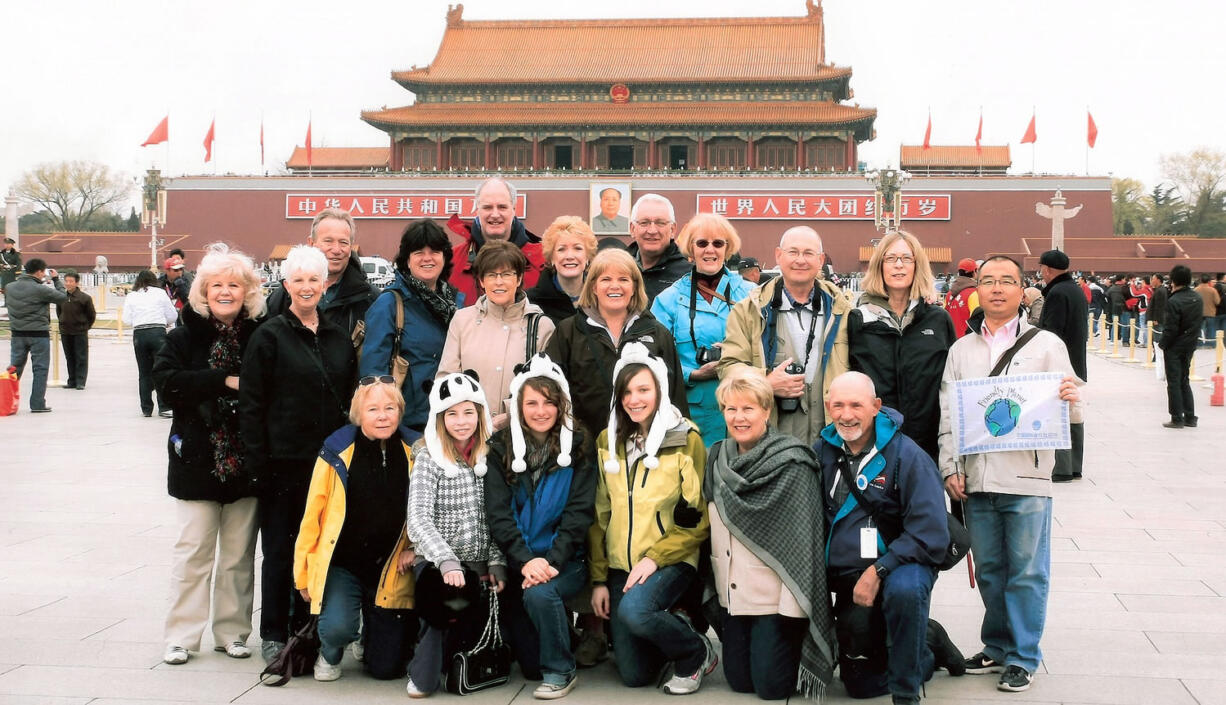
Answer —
818 206
390 205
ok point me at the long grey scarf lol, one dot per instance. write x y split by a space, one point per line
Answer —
770 498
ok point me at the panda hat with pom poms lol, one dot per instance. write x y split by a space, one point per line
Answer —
666 417
453 389
539 366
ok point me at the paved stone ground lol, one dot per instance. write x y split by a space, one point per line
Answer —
1137 609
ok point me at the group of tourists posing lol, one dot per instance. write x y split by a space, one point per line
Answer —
641 437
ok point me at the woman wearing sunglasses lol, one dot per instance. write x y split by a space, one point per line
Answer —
695 310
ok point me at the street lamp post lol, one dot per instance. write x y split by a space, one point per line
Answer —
887 197
154 212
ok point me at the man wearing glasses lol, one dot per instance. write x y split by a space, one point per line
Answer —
1007 493
652 225
793 328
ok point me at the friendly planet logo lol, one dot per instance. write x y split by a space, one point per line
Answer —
1001 417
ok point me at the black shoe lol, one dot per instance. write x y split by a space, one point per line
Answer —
1015 679
70 385
44 410
1062 478
80 386
147 413
945 653
980 663
1175 422
1189 422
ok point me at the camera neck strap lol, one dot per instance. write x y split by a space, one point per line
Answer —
694 286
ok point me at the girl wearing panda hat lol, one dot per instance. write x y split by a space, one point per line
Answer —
539 495
446 519
641 560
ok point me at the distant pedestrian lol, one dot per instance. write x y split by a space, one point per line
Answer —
10 263
30 323
148 311
962 298
1180 328
1210 298
1065 313
76 317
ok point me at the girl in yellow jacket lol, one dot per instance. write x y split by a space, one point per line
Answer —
641 560
350 564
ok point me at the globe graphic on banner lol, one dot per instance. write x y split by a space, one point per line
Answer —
1001 416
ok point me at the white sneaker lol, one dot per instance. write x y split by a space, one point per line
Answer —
414 691
325 671
684 685
358 651
175 655
235 649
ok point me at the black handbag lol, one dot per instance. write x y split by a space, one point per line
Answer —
297 658
486 665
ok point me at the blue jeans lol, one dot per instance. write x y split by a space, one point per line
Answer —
645 634
895 627
39 352
540 629
762 653
1011 535
1208 328
388 634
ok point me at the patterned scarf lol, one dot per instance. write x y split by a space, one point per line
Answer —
225 355
780 477
439 301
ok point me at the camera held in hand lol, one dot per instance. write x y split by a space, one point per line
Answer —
705 355
788 405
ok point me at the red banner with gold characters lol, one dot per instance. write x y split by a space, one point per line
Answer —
818 206
391 205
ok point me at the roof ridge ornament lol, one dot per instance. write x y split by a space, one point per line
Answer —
814 9
455 15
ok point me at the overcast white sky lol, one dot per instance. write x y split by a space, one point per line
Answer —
89 79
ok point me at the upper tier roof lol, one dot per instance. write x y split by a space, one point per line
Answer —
723 50
340 158
954 156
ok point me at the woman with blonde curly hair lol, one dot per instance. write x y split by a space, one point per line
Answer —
569 246
197 373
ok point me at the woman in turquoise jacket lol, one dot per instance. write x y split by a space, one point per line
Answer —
695 310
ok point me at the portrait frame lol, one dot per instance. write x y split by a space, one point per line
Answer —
602 225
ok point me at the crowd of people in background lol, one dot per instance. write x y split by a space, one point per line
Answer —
603 437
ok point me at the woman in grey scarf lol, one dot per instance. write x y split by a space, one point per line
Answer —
778 635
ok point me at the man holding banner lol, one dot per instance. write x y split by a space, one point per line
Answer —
1008 396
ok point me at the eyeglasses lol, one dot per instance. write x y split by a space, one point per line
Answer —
895 259
659 223
1005 283
793 253
704 244
371 379
497 276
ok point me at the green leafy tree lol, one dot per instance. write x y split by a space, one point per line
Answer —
75 195
1128 209
1166 211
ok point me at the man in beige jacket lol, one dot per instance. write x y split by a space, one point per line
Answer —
793 328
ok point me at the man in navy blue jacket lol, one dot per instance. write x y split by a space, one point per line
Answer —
882 560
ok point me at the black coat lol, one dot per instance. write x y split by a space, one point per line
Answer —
294 389
672 266
202 402
554 302
587 357
906 367
1157 306
347 308
1066 313
1116 294
1185 310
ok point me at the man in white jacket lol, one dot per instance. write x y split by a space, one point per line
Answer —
1007 493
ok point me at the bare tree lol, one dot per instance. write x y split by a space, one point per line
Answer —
74 193
1200 176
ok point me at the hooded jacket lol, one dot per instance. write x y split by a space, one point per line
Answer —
587 356
421 344
201 402
661 275
324 518
634 506
748 341
905 364
348 305
464 255
26 300
672 308
902 482
1018 472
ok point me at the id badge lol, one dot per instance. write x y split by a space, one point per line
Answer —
868 542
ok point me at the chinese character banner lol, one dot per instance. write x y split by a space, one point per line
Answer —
818 206
390 205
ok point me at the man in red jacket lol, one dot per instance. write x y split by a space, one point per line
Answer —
962 299
495 221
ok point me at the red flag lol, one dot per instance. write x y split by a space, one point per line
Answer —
979 135
261 142
308 145
928 133
208 142
1091 129
1030 135
160 134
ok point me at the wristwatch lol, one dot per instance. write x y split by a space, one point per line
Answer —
882 571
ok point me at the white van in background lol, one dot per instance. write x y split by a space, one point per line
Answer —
379 272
